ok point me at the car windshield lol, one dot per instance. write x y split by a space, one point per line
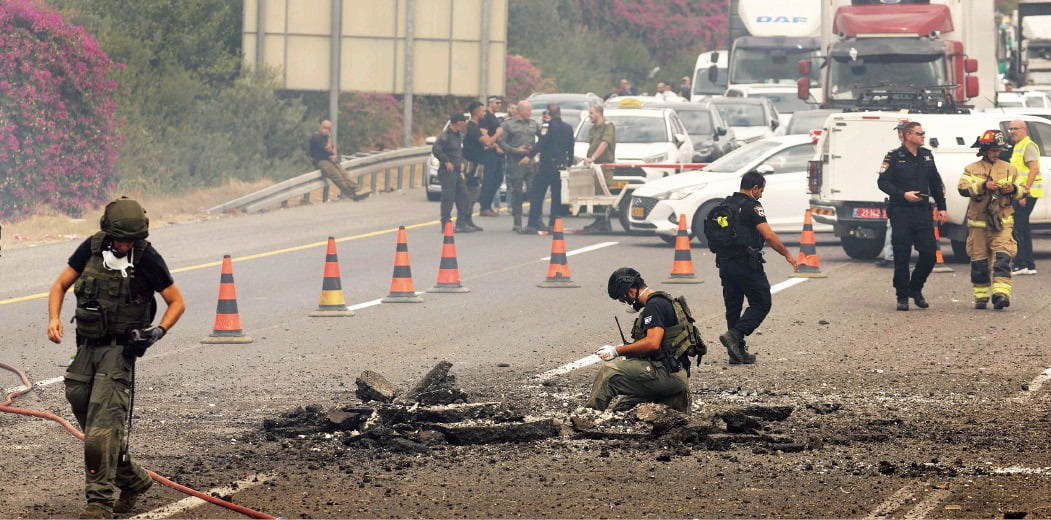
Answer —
702 85
763 66
742 114
697 122
740 157
631 129
803 123
574 101
849 79
788 103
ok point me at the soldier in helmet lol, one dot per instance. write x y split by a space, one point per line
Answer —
656 365
114 275
991 184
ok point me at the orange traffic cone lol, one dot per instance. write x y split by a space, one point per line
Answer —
448 272
809 265
939 264
332 304
227 327
682 267
402 289
558 269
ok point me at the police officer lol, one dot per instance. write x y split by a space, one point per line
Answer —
114 274
655 366
991 184
741 268
448 149
556 153
910 178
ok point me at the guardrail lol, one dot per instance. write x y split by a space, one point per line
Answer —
386 172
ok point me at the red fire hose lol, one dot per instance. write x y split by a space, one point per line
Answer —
6 407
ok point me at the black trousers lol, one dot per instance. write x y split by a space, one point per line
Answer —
1023 235
911 226
742 280
545 178
454 191
493 177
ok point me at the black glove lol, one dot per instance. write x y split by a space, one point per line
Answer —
142 339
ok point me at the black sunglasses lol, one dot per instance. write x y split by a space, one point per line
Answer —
921 134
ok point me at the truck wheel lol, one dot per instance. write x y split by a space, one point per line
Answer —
959 252
622 214
862 248
698 221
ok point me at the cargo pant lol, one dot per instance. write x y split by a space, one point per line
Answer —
519 179
474 172
99 386
335 173
991 251
639 381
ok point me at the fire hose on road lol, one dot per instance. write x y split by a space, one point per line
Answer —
6 407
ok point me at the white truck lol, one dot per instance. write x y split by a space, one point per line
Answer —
709 75
842 177
1036 52
770 37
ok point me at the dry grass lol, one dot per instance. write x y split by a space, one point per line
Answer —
48 225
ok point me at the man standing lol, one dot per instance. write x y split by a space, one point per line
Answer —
474 144
1026 158
685 88
518 139
665 93
114 274
655 367
494 158
909 177
740 262
602 147
556 153
448 149
323 153
992 185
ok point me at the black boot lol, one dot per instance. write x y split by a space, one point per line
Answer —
1001 301
903 304
731 339
921 302
981 304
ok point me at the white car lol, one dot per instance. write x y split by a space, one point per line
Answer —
752 118
784 98
655 207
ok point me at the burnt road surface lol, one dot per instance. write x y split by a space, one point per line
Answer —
941 412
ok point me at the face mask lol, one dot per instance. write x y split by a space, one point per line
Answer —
114 263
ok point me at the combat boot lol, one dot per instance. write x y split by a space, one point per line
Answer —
96 511
518 223
980 304
128 498
903 304
1001 301
731 339
921 302
746 358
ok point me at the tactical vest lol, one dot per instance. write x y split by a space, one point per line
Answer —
678 339
106 305
1018 160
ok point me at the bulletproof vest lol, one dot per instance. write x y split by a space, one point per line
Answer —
678 338
106 305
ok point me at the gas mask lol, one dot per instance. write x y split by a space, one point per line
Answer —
111 261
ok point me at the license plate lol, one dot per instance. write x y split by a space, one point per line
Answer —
869 213
638 212
616 185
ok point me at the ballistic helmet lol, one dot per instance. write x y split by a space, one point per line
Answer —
623 279
125 219
990 140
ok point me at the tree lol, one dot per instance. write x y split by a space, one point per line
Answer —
58 131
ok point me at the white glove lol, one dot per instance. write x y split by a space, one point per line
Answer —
607 352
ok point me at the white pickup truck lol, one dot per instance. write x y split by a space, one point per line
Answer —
842 177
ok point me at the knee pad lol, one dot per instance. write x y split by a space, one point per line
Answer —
980 272
1002 265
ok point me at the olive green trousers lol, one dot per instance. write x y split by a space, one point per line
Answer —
639 381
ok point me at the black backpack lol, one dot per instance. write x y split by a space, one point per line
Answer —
720 225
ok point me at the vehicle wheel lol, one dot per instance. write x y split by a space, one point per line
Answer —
622 213
668 240
862 248
698 221
959 252
434 197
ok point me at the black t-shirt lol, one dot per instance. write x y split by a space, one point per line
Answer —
658 312
491 123
318 142
752 214
472 149
149 275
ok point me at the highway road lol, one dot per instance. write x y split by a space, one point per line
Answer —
941 412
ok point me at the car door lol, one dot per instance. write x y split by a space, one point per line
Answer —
785 198
684 147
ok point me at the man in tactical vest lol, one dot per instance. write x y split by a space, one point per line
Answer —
114 274
991 185
655 366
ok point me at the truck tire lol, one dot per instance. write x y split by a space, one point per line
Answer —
698 221
862 248
622 214
959 252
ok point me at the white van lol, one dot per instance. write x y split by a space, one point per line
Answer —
842 178
706 82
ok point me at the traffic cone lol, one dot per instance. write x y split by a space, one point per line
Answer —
332 304
682 267
402 289
939 260
227 327
809 265
558 269
448 272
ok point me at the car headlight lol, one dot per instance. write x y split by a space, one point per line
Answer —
678 194
434 162
656 158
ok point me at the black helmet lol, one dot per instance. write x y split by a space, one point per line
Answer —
990 140
623 279
124 219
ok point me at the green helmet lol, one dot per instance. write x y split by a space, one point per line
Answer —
125 219
621 280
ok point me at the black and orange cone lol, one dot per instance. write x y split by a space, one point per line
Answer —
227 327
809 265
332 303
939 260
558 269
402 290
448 271
682 267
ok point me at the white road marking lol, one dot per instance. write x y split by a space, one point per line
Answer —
38 384
1019 470
924 507
791 282
372 303
599 245
891 504
175 508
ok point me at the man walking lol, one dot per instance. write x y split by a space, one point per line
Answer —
910 178
518 139
448 149
323 153
1026 158
556 153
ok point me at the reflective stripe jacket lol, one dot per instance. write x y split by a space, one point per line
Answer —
1018 161
972 184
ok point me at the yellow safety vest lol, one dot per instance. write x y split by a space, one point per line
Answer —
1018 160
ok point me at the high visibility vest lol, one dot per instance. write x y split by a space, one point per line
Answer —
1018 160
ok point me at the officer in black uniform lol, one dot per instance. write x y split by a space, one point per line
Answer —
555 148
910 179
741 268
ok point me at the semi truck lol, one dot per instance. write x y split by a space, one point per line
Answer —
1031 66
769 37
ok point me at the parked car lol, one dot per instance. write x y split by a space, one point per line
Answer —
751 118
712 136
655 207
784 98
573 106
804 121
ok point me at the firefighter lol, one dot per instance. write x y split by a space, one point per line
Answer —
991 184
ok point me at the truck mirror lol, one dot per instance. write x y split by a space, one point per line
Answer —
970 65
804 68
713 73
971 86
803 89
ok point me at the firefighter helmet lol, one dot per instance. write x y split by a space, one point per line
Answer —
990 140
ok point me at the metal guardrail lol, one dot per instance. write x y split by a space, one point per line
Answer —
386 172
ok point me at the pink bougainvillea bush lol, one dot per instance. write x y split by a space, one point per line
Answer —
58 133
524 78
667 27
